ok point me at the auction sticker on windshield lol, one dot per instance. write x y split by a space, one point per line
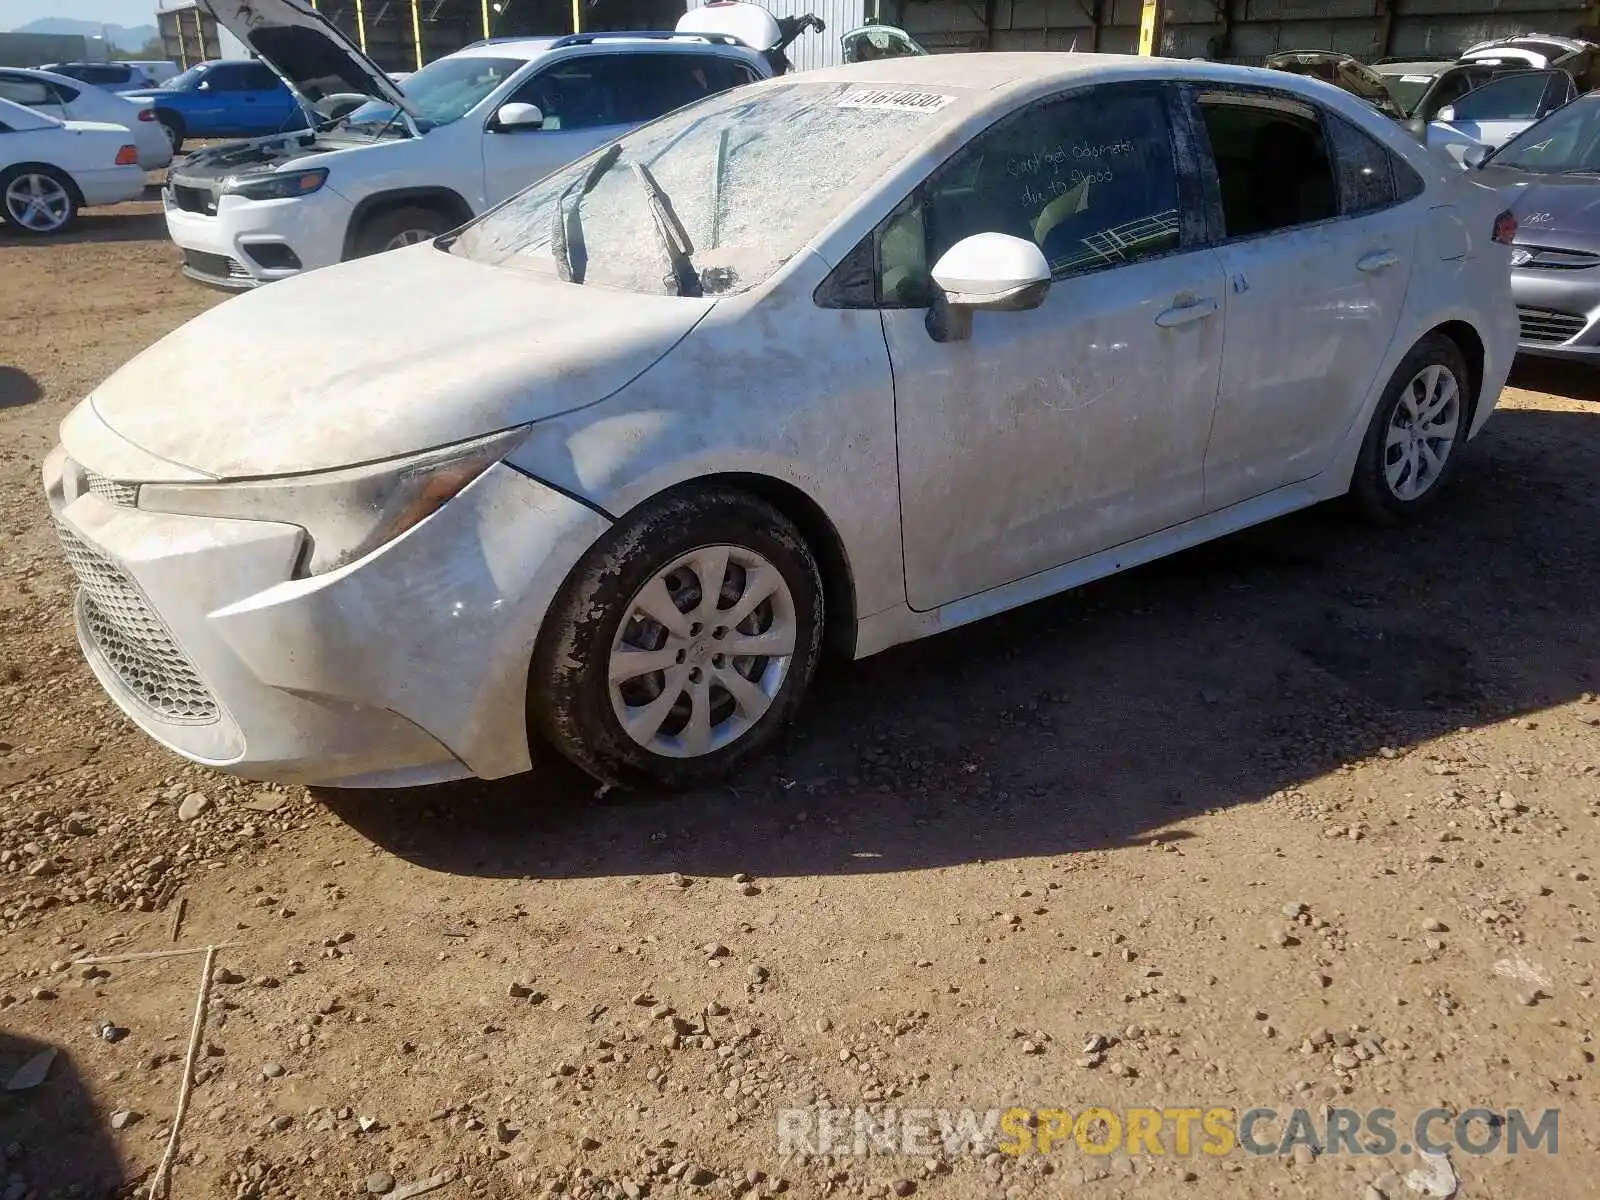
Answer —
895 101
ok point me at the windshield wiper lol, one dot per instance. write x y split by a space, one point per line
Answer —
570 269
671 233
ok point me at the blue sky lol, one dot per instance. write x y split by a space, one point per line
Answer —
115 12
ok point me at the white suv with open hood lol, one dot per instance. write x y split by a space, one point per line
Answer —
464 133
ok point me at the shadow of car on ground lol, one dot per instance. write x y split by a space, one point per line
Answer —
1104 717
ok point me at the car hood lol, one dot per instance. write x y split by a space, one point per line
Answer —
305 49
1549 203
382 357
1341 70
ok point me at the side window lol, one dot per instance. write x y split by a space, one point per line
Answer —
1509 98
64 94
1366 169
1272 164
579 93
20 89
1090 179
229 79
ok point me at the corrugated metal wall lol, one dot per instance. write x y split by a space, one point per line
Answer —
810 49
1236 30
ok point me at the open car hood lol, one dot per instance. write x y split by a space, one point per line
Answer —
305 50
1342 71
868 43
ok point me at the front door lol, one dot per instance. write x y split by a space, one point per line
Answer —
1054 433
580 99
1499 110
1317 275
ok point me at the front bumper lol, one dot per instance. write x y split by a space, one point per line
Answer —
242 243
405 667
1558 311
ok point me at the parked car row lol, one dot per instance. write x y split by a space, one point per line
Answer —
841 358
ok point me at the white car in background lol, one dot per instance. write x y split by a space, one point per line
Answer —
49 169
464 133
69 99
845 357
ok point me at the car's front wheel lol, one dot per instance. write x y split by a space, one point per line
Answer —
682 643
397 227
1415 437
37 199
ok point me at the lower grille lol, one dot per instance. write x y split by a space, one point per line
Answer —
1547 327
119 623
111 491
216 266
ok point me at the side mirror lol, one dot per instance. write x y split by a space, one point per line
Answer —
518 117
203 86
1417 127
992 271
1446 114
1474 156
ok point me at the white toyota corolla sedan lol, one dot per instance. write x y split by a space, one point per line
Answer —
839 359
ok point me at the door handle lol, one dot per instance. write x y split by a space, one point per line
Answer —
1189 310
1378 260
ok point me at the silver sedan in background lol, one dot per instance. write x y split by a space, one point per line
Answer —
1550 178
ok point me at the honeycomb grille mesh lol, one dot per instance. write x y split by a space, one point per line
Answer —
109 490
117 621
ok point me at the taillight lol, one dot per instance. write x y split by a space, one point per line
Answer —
1505 228
147 114
128 156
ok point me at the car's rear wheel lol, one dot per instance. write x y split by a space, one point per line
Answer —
404 226
37 199
1412 444
172 126
682 643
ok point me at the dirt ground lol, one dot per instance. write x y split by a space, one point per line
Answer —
1305 819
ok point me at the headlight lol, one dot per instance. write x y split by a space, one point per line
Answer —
346 513
281 186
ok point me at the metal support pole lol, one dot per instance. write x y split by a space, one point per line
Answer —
486 33
577 20
416 30
361 25
1150 21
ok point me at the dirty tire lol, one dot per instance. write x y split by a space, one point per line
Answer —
570 700
1372 495
380 232
172 125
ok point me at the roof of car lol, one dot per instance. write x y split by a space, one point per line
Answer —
531 48
508 47
1007 70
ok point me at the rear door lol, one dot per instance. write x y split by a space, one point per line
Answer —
1316 224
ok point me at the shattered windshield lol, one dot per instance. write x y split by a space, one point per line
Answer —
714 198
445 90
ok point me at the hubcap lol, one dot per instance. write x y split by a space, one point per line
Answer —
409 237
702 651
1422 432
37 202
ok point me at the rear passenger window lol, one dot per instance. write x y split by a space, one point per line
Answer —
1366 171
1273 169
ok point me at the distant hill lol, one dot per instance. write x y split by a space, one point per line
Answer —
124 37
